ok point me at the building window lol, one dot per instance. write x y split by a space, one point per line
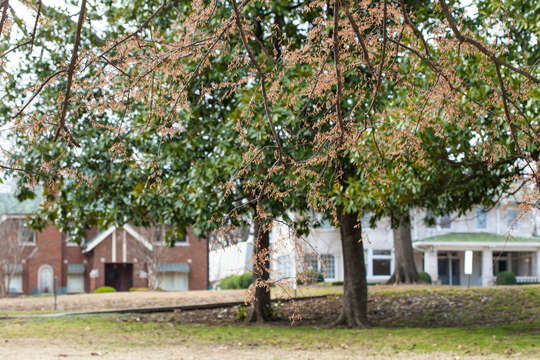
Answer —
481 218
163 233
325 264
71 240
445 221
26 235
382 262
430 219
284 266
310 263
14 285
328 266
511 217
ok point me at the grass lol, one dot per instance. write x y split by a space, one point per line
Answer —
116 331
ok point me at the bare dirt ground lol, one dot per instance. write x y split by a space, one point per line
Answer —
119 300
126 300
39 349
138 299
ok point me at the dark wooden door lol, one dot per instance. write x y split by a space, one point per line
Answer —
119 276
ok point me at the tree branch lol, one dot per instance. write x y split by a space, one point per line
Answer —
361 39
337 66
33 37
464 39
261 74
71 70
4 15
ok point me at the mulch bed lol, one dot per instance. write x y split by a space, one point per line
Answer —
411 309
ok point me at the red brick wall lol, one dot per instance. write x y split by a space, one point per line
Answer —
50 250
194 253
53 250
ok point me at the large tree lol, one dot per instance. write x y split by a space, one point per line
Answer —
306 86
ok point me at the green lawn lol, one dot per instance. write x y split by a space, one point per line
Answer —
116 332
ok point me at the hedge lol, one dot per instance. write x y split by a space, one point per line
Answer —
104 289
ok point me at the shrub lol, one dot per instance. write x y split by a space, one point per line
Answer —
229 282
241 313
506 278
424 277
337 283
236 281
104 289
138 289
246 279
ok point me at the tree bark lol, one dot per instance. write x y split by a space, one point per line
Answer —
261 309
404 265
354 309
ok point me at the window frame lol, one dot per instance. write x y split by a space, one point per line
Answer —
324 266
184 241
20 237
481 213
386 256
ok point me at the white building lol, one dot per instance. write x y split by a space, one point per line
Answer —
501 239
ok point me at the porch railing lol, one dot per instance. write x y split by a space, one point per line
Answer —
527 279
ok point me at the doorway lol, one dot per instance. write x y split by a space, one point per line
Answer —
448 264
45 279
119 276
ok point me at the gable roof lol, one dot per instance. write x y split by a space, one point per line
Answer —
104 234
10 205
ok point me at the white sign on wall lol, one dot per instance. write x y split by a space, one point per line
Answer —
468 262
94 273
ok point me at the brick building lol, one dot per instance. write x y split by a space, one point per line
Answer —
122 257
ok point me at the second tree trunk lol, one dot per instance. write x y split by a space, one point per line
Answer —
404 265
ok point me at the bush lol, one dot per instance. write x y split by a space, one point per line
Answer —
104 289
236 281
424 277
138 289
246 279
337 283
506 278
229 282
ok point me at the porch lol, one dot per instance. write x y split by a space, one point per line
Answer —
444 260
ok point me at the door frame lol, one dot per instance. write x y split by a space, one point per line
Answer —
450 256
41 270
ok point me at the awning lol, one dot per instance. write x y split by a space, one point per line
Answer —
174 267
75 269
477 241
15 268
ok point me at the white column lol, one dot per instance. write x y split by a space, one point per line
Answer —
487 267
538 265
431 265
369 261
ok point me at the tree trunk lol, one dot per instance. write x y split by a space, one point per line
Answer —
261 309
404 265
354 310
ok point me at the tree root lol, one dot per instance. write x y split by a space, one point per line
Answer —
351 322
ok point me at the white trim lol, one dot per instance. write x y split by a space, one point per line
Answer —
98 239
124 247
138 236
475 245
102 236
40 272
113 255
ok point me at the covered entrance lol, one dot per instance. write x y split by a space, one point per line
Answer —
119 276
